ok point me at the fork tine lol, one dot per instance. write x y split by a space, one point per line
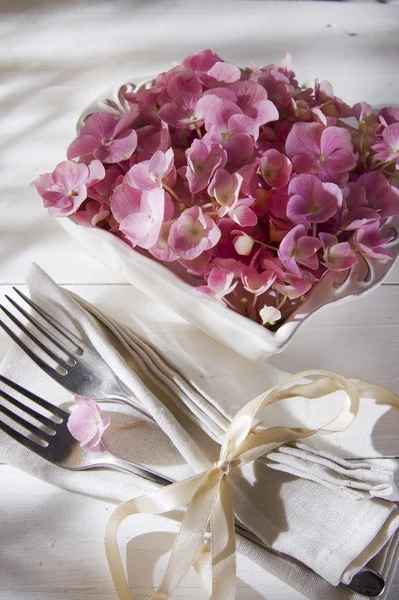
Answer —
29 411
63 414
44 331
74 339
22 439
39 361
34 339
43 435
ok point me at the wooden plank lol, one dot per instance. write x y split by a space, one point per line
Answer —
52 548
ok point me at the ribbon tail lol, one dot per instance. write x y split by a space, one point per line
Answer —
159 502
190 535
224 544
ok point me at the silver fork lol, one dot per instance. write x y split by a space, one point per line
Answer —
84 372
56 445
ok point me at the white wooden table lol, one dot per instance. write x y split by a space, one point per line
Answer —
55 57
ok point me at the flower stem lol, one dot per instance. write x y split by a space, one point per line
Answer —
128 425
172 193
229 304
283 301
314 228
265 245
198 130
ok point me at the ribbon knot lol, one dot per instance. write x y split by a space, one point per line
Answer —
208 495
223 465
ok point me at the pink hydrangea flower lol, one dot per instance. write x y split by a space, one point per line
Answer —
161 250
275 168
293 287
201 62
193 233
219 284
338 256
257 283
65 189
325 151
251 98
388 149
185 111
277 85
151 174
221 72
86 424
141 213
330 104
225 188
199 266
202 162
297 248
104 137
389 115
369 242
92 213
312 201
380 195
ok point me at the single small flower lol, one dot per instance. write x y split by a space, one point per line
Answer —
201 62
380 195
311 200
243 243
184 112
65 189
277 85
388 148
325 151
219 284
141 213
338 256
151 174
389 115
257 283
92 213
330 104
225 188
269 315
221 72
199 266
297 248
369 242
86 423
253 101
202 162
106 138
293 287
275 168
162 250
193 233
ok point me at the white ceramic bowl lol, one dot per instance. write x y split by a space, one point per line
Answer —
228 327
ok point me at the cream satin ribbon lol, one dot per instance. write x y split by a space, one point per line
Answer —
208 495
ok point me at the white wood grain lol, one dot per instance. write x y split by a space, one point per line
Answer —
54 550
55 56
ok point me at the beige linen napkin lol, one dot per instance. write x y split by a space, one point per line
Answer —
328 517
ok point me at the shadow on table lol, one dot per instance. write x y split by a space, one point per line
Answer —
142 555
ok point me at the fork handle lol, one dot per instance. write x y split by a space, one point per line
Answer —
130 401
116 464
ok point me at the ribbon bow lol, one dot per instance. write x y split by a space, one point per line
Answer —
208 495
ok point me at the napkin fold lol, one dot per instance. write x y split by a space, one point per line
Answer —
322 510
